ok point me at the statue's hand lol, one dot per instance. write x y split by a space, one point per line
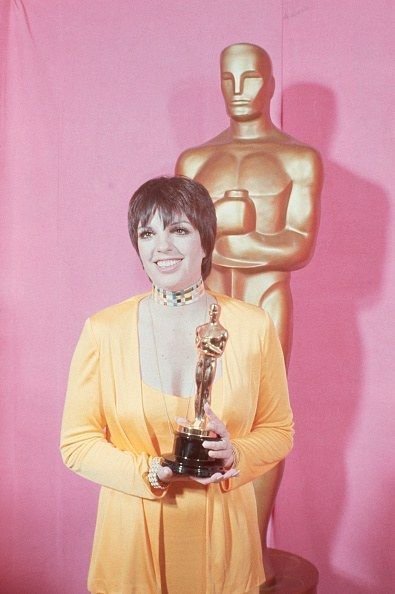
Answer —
236 215
240 251
209 348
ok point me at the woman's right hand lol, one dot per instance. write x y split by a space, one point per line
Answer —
166 475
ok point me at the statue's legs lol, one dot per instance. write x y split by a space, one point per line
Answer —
277 301
271 291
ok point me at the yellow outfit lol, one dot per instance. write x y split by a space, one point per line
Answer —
189 538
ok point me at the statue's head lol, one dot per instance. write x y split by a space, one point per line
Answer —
246 80
214 312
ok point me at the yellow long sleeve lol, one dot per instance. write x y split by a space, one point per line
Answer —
84 447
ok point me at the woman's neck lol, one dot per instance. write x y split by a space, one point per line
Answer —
169 298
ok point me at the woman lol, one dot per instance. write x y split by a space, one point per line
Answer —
132 375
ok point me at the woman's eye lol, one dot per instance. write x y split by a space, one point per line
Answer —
145 234
181 231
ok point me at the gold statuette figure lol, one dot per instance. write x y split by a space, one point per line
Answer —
211 339
189 456
266 188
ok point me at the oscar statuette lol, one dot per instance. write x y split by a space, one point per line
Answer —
189 456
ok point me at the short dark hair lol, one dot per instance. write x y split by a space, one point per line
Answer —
171 196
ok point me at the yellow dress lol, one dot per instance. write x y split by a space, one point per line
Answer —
183 569
188 539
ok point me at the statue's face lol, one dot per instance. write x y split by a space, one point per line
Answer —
246 81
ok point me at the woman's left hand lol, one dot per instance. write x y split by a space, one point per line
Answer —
221 449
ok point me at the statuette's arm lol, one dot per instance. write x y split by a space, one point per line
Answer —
206 345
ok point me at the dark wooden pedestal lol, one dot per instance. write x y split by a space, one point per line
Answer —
294 575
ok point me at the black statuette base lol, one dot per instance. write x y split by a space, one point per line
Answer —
191 458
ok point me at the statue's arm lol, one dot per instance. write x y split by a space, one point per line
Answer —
291 247
209 347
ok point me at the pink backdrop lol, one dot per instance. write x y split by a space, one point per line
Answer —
96 98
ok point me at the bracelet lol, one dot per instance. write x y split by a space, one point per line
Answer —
153 479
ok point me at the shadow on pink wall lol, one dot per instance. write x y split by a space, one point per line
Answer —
326 373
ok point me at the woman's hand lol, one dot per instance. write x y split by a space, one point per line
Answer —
221 449
166 475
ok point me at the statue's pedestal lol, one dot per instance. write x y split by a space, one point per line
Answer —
294 575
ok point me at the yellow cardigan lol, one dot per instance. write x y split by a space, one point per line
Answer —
105 438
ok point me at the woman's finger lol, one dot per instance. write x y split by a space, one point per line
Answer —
231 473
221 444
210 413
164 474
215 424
217 477
220 454
223 451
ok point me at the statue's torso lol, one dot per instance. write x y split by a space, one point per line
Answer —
268 170
260 168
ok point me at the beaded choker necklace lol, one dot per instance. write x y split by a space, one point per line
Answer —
177 298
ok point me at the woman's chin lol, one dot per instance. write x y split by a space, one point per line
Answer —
174 282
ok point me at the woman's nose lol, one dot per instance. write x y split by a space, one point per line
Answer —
164 242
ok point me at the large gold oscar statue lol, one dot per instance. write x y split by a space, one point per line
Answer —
266 188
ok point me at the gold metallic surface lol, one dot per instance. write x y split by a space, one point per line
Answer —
211 340
192 431
266 188
189 456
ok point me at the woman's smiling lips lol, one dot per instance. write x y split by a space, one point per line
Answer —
168 264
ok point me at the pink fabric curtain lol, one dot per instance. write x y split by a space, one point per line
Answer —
96 98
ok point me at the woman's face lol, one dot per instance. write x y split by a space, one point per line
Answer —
171 256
